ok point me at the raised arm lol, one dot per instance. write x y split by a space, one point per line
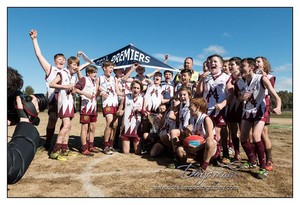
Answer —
133 68
44 63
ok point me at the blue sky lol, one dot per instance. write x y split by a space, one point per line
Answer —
180 32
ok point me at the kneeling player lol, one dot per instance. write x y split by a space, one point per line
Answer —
201 125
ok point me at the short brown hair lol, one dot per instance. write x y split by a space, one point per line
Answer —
200 103
73 59
59 55
90 69
107 63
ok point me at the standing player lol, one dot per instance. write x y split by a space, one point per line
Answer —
263 66
50 72
109 92
132 108
252 91
65 108
217 92
87 88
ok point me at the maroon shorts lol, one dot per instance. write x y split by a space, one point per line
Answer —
109 110
218 120
85 119
129 138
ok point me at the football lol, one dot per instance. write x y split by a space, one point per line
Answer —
193 141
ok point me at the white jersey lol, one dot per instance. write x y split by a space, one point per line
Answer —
199 125
255 106
108 85
132 119
184 115
65 102
124 88
153 97
167 89
215 91
88 106
49 78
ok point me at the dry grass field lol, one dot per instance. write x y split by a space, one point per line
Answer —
131 175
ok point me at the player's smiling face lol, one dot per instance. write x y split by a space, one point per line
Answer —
108 70
157 79
216 65
73 67
135 89
60 62
184 96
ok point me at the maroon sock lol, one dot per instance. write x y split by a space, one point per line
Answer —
84 147
64 147
260 150
57 147
106 144
248 149
49 135
253 149
204 165
91 144
110 143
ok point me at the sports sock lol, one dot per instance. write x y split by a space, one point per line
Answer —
91 144
204 165
57 147
260 150
253 148
110 143
64 147
84 147
106 144
248 149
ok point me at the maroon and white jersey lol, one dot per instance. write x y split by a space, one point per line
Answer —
49 78
65 102
88 106
184 115
272 80
124 88
167 89
255 106
132 118
215 90
199 125
108 85
153 97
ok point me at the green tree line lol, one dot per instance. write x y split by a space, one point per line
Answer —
286 100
